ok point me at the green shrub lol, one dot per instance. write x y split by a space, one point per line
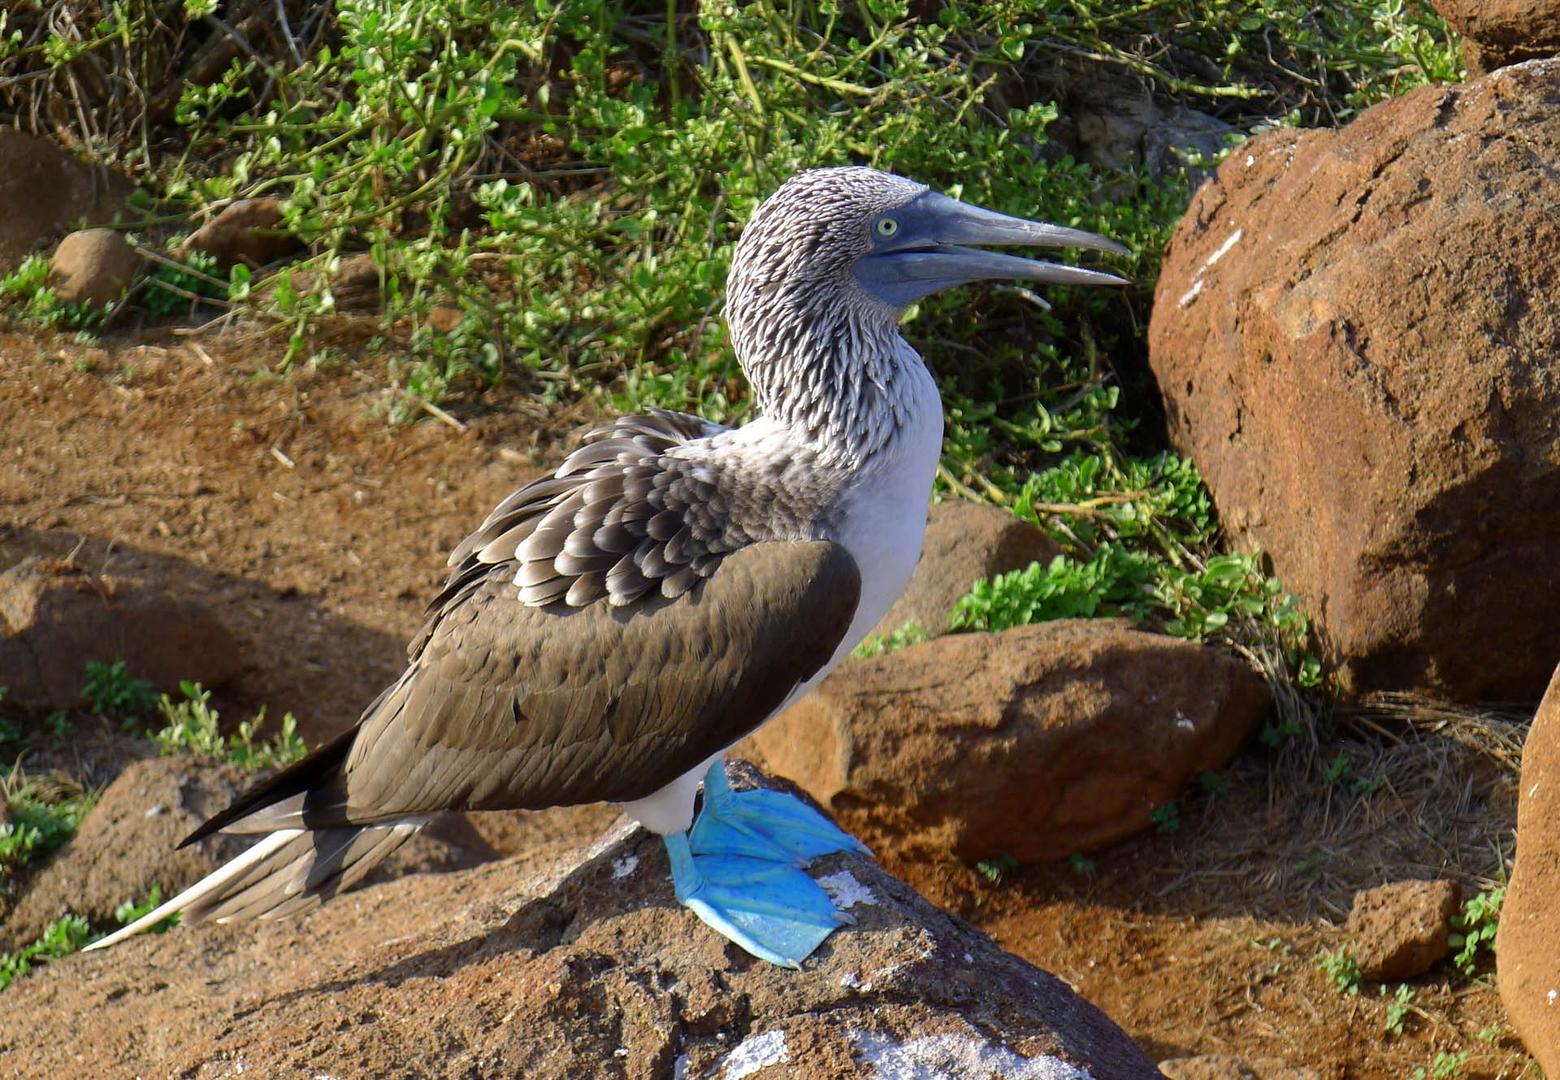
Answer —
194 727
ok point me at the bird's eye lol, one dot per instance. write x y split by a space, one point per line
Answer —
887 227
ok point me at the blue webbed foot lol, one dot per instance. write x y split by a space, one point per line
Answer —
739 869
763 824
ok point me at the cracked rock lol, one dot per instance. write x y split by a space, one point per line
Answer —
563 969
1355 334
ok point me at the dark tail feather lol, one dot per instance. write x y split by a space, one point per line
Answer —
288 798
289 871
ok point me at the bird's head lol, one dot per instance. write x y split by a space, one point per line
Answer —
890 240
828 263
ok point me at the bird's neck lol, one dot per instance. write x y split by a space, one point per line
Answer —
838 375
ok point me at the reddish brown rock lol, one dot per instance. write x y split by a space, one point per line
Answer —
250 231
1355 334
45 191
965 542
54 617
130 842
93 266
1527 945
589 968
1496 33
1401 930
1036 742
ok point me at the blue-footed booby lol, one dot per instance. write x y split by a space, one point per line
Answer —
612 629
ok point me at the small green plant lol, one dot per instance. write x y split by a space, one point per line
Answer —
1445 1065
173 287
1213 784
1166 817
1338 770
1276 734
1399 1006
41 819
25 293
1474 929
60 938
1082 865
129 911
71 933
911 633
1311 866
192 726
1341 969
994 869
110 690
59 724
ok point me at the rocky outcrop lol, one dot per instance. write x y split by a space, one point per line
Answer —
93 266
1035 742
1355 334
130 843
45 191
249 231
1403 929
1496 33
1527 945
965 542
588 968
55 616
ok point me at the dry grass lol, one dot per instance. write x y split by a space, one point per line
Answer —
1409 789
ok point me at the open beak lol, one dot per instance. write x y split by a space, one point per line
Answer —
932 254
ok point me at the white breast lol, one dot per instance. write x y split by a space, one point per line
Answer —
884 517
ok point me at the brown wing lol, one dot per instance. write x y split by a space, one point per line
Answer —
514 707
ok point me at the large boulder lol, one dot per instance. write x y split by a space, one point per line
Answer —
1496 33
56 616
1357 336
589 968
45 191
965 542
1036 742
1527 945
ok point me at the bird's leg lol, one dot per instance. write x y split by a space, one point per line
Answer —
739 869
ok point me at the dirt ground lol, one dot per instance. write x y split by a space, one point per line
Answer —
318 531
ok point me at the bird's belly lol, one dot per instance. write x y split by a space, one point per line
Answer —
883 529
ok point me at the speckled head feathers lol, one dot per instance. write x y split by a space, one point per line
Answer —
816 225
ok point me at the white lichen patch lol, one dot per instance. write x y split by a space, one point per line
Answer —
846 891
621 868
1553 995
964 1056
1222 250
755 1053
1197 279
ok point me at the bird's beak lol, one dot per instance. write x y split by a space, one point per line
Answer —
930 252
